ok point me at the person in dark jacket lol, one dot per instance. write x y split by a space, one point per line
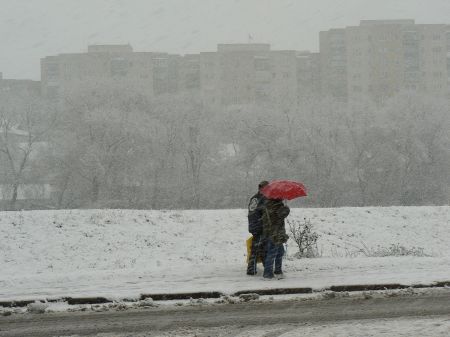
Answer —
255 227
274 232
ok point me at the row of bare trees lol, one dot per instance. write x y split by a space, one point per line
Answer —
113 147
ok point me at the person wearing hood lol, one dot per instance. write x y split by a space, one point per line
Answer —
274 232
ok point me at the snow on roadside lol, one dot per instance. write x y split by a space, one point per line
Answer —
148 304
123 253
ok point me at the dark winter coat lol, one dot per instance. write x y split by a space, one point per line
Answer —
255 213
273 221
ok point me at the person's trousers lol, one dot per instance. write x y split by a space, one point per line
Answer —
274 258
257 250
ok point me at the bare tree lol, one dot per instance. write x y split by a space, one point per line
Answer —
25 123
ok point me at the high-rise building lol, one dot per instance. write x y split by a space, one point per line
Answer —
234 74
152 73
333 63
308 77
189 72
19 87
381 57
240 74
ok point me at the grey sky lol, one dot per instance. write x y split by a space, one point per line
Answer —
31 29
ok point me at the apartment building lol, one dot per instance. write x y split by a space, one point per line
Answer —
381 57
333 63
234 74
435 57
189 72
239 74
19 87
308 77
149 72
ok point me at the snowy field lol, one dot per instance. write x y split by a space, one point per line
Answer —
124 253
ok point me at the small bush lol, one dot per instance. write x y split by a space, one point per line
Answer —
344 252
306 239
393 250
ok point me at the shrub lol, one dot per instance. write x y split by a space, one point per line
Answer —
305 238
393 250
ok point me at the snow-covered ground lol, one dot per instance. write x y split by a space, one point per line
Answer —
124 253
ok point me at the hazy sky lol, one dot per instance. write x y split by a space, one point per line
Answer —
31 29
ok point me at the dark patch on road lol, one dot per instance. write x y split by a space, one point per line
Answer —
182 296
277 291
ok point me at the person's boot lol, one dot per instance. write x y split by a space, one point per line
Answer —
251 270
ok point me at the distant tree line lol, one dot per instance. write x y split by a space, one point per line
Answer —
108 147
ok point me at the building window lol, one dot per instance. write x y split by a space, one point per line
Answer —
262 64
436 37
160 62
159 86
119 66
52 70
52 92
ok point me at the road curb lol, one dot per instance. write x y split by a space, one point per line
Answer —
367 287
276 291
12 304
182 296
217 294
86 300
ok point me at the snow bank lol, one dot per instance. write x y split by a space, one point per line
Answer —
127 252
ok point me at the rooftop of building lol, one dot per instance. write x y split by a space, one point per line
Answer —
13 81
110 48
387 22
243 47
403 23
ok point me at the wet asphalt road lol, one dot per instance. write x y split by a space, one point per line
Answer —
154 321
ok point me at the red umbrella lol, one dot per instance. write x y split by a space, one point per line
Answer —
284 189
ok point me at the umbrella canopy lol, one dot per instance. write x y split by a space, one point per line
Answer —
284 189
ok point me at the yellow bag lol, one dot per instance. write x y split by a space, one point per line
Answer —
249 247
249 243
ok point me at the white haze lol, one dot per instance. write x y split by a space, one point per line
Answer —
30 30
147 134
